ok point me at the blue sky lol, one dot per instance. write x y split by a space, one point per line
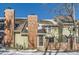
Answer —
43 10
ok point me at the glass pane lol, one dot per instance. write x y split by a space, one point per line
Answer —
77 39
40 40
65 38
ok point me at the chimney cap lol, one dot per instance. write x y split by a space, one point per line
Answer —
32 14
8 9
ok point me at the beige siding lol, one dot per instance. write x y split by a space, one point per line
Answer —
55 33
66 31
21 40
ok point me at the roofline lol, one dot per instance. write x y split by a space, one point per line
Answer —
27 33
15 17
47 19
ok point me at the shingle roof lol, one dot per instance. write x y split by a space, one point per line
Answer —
65 18
22 27
45 22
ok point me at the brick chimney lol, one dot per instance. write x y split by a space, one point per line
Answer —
9 27
32 31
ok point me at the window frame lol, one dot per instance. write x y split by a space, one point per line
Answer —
41 38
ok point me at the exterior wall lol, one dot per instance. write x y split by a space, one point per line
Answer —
32 30
9 26
21 40
77 37
64 45
66 42
54 32
66 32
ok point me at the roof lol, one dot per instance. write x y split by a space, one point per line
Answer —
22 27
65 19
47 22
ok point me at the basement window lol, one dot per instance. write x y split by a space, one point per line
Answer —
40 40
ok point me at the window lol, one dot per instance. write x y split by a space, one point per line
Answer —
40 40
51 39
65 38
77 39
48 29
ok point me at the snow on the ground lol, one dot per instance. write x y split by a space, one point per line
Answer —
32 52
4 51
36 53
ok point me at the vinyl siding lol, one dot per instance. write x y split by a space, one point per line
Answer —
21 40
